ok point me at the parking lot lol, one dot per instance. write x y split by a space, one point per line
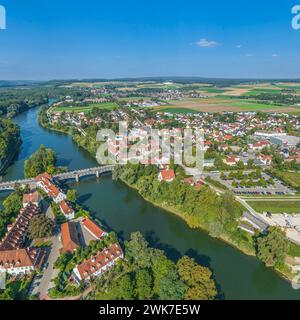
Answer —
277 189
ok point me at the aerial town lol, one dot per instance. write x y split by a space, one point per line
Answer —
55 246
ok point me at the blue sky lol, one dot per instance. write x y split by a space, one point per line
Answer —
52 39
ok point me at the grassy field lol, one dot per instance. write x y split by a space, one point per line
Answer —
221 103
86 109
276 206
291 178
177 110
134 99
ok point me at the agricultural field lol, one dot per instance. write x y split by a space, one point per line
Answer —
171 109
222 99
86 109
134 99
223 104
292 206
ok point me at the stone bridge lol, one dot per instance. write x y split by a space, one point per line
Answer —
97 171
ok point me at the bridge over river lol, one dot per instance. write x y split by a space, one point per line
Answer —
97 171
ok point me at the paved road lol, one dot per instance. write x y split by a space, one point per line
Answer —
270 199
42 285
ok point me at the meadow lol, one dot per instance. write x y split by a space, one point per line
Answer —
290 178
86 109
292 206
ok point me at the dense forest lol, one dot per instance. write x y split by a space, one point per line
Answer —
15 101
19 99
9 139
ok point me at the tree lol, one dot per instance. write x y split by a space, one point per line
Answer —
143 284
201 285
72 195
250 163
167 284
40 226
137 250
240 165
273 247
43 160
124 288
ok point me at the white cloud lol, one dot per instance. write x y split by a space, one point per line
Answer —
249 55
238 46
204 43
275 55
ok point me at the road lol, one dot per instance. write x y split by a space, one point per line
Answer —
270 199
42 285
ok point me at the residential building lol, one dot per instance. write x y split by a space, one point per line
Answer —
31 197
266 160
69 237
98 264
231 160
17 232
21 261
93 228
167 175
67 210
45 182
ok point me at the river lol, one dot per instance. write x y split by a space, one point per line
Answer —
123 210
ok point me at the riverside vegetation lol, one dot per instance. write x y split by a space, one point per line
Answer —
203 208
10 141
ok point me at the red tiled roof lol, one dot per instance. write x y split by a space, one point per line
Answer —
93 228
43 177
31 197
69 237
19 258
231 159
95 263
15 236
167 175
264 157
66 209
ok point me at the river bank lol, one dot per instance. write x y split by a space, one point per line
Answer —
8 161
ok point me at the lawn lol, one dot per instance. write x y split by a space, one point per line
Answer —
276 206
251 105
256 92
173 109
290 178
88 108
134 99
